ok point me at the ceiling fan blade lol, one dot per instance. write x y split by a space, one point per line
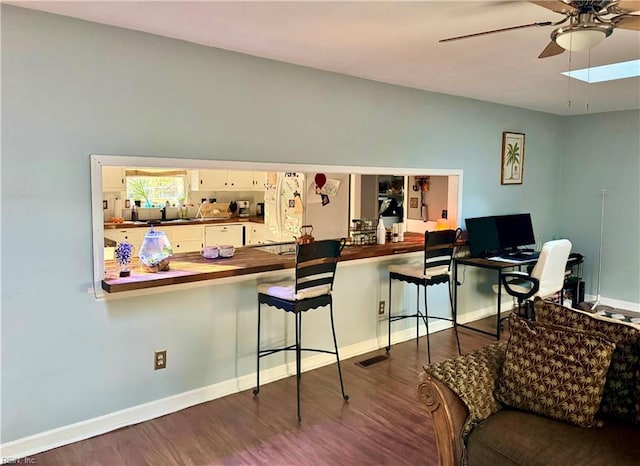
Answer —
630 22
629 5
551 50
467 36
556 6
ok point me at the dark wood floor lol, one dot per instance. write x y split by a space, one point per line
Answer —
382 423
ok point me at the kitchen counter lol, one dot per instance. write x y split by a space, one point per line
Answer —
178 222
192 267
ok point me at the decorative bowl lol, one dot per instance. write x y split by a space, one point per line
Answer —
227 250
210 252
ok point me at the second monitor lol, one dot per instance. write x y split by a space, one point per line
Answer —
514 231
499 234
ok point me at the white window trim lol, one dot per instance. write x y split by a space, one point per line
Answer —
99 161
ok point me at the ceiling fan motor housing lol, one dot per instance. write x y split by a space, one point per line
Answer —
585 31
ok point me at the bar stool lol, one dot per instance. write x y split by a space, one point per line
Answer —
436 269
314 274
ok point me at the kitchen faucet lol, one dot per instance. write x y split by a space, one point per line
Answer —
200 214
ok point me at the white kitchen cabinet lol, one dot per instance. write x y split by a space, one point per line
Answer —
259 180
113 179
208 180
256 233
186 238
224 234
183 238
226 180
240 179
129 235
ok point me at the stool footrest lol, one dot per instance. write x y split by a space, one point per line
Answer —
268 352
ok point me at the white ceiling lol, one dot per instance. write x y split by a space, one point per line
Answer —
393 42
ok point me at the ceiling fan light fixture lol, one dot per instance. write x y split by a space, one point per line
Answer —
581 38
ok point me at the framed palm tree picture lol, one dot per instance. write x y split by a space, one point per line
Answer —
512 158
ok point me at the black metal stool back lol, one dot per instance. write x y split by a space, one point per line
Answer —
316 264
439 247
438 253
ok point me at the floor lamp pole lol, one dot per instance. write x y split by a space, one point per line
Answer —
604 192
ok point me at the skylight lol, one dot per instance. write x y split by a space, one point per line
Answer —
598 74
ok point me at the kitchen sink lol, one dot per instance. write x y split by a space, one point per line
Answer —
282 249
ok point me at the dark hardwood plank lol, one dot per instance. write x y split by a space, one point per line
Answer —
382 423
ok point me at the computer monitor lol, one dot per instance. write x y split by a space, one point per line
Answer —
483 236
514 231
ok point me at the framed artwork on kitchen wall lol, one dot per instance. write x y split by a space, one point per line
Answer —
512 168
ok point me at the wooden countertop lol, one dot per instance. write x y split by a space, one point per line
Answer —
169 223
192 267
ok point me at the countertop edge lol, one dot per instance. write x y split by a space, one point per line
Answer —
278 263
169 223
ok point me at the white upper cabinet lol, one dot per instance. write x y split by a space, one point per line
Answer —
113 179
208 180
259 180
225 180
240 179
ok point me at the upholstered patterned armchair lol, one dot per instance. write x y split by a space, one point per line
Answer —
480 417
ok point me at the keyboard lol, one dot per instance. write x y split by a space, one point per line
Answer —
522 255
517 257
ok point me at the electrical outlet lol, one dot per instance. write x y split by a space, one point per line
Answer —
160 360
381 308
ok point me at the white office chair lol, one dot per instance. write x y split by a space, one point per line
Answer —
546 278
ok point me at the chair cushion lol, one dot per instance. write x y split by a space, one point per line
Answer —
417 271
621 397
287 290
554 371
513 437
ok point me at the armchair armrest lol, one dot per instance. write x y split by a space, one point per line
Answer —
458 393
448 413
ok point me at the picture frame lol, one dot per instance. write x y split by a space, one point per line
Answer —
512 166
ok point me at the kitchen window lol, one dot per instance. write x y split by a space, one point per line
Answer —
155 188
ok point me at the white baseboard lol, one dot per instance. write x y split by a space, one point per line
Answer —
626 305
484 312
12 451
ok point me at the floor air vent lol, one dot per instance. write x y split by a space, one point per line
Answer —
371 361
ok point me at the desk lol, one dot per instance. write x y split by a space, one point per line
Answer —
498 266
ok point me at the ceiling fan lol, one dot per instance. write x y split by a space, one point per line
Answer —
589 23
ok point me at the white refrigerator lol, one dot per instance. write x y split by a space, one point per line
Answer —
294 199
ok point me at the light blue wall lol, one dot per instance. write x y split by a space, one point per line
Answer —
72 88
602 151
